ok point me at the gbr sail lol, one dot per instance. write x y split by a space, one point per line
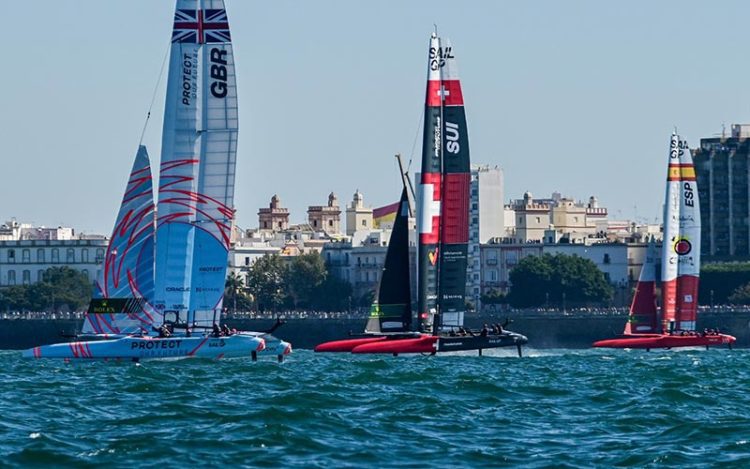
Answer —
125 282
443 194
196 180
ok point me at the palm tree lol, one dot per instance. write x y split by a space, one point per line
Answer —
234 285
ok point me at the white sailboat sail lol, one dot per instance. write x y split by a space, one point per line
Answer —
125 282
196 184
671 235
688 244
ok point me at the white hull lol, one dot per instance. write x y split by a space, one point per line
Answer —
137 348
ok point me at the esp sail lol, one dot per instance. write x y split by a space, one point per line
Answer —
443 194
196 183
670 237
643 318
125 282
687 246
391 310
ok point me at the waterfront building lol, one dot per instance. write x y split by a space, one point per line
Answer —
15 231
358 217
722 166
275 217
621 263
553 220
326 218
23 262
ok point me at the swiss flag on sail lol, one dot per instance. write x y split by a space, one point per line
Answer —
448 90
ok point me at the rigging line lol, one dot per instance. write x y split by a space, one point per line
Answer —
156 89
416 136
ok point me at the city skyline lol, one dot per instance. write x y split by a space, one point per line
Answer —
578 98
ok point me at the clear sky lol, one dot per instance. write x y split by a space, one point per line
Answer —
577 97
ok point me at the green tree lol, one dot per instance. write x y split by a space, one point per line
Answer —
60 288
564 279
265 281
720 280
305 274
333 294
741 295
233 288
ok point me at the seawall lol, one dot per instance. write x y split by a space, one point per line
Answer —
544 329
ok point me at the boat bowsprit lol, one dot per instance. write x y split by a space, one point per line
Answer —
649 341
144 347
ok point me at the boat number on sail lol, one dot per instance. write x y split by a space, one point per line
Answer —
218 72
189 77
451 137
688 194
438 56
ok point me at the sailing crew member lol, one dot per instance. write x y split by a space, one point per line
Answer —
225 330
216 332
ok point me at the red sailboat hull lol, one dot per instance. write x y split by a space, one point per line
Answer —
648 341
346 345
423 344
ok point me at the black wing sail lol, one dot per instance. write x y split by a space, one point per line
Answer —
391 310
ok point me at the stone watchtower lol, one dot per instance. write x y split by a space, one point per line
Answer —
326 218
275 217
358 217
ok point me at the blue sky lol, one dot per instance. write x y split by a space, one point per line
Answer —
577 97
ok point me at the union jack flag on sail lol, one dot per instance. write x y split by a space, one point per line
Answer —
200 26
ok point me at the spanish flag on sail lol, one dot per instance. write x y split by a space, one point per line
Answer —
385 216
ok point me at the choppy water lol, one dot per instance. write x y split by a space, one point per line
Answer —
552 408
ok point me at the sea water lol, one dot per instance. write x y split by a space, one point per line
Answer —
556 408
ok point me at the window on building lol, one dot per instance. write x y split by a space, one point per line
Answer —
520 220
26 255
346 258
11 277
99 256
575 219
26 277
40 255
330 222
476 277
538 219
493 275
86 273
606 259
475 220
55 255
607 277
11 256
364 222
247 260
280 225
265 224
70 255
39 275
85 255
315 223
474 206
